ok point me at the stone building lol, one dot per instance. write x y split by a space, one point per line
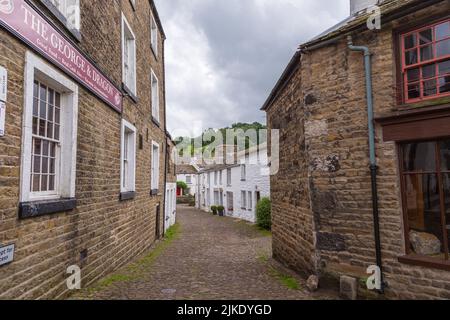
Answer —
325 217
83 149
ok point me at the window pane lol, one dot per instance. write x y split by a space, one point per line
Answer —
52 166
426 53
49 130
429 71
444 67
42 128
37 164
44 181
44 165
52 150
51 96
426 36
50 113
443 48
56 137
446 178
57 115
443 31
410 41
419 157
35 125
43 93
57 100
51 183
424 215
37 147
429 88
43 113
444 84
35 107
36 183
45 146
444 146
413 74
413 91
36 90
411 57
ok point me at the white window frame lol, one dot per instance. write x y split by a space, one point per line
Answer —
128 33
250 201
244 199
229 177
63 6
243 172
36 68
155 95
154 35
131 158
155 166
188 179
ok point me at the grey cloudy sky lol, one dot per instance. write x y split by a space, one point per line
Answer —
223 57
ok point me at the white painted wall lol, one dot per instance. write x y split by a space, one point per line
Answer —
171 205
256 181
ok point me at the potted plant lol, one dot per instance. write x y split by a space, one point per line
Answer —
214 210
221 210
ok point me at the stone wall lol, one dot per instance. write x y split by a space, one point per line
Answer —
322 212
102 233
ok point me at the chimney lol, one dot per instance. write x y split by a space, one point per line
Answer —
356 6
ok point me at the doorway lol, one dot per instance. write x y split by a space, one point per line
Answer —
230 203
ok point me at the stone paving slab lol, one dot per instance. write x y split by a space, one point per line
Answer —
213 258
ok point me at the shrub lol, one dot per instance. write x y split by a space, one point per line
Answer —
221 210
214 210
182 185
263 214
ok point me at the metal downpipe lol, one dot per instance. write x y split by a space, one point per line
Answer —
373 159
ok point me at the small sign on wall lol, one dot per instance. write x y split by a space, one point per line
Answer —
7 254
3 84
2 118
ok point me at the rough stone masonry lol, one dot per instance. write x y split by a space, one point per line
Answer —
322 209
102 233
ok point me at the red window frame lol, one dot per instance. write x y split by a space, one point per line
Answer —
420 64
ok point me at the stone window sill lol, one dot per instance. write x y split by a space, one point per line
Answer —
40 208
124 196
154 192
154 52
129 93
427 262
156 122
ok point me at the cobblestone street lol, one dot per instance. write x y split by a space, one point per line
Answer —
210 258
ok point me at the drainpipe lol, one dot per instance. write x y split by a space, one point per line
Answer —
373 159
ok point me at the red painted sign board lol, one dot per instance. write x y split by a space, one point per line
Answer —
25 22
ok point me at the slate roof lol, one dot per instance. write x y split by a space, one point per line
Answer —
186 169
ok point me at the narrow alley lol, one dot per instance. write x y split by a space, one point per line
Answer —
207 257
